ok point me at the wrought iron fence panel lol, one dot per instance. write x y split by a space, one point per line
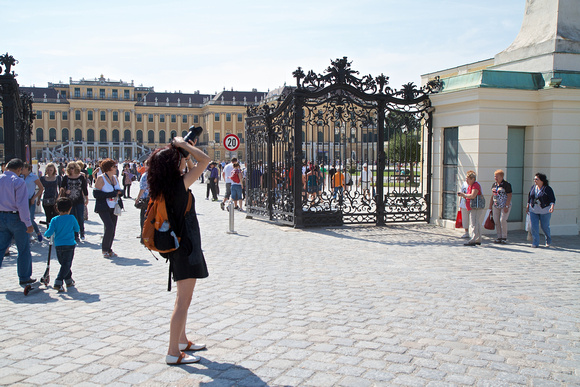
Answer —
341 149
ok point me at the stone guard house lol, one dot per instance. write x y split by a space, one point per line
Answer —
519 112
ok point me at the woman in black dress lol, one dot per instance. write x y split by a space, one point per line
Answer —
171 174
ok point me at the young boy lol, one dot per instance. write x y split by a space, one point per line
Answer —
63 227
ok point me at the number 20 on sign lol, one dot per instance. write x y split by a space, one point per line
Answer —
231 142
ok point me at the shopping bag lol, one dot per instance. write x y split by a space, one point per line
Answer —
459 220
489 224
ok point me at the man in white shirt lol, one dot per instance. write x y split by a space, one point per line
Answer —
226 174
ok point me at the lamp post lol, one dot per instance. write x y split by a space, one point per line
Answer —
212 143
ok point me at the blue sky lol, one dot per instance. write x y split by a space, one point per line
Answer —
210 45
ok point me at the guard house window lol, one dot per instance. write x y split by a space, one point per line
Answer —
127 116
173 118
162 118
216 117
77 92
195 119
115 116
39 114
150 117
239 117
102 93
52 115
115 93
139 118
127 94
184 118
103 115
77 115
450 162
228 117
65 116
90 115
89 93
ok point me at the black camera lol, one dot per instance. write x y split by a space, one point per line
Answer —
194 133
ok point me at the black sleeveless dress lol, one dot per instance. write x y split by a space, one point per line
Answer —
188 260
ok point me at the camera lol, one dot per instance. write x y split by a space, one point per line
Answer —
194 133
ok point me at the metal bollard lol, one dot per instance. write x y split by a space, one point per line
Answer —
231 208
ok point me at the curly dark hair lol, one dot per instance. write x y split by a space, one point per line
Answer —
163 175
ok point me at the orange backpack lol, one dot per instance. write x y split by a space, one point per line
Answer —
158 231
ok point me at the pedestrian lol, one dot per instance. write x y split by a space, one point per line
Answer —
187 263
90 174
213 181
464 212
475 203
237 179
74 186
64 226
15 220
227 176
541 201
32 182
107 191
207 174
51 183
142 200
500 205
337 181
364 181
127 181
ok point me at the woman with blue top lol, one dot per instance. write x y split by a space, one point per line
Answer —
541 200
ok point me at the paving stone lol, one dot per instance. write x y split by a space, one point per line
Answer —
397 305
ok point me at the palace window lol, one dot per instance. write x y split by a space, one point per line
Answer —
65 135
162 118
162 136
228 117
39 114
241 137
151 137
39 135
139 136
139 118
90 115
115 116
127 94
127 135
150 117
89 93
216 117
77 115
102 93
217 137
195 119
52 135
173 118
127 116
77 92
239 117
116 135
51 115
65 116
78 135
103 115
90 135
103 135
115 93
184 118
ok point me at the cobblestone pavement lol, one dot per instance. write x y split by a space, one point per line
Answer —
352 306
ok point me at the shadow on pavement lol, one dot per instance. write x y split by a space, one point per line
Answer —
36 296
224 374
74 294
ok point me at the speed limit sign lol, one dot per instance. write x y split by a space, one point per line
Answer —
231 142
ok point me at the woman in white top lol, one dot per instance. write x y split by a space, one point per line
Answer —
107 191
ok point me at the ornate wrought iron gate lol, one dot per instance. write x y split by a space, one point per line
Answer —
340 149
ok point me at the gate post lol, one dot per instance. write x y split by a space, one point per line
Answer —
298 156
269 159
380 181
429 161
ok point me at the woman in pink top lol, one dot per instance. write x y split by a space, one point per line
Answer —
475 203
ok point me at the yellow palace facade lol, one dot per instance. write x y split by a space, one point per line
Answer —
99 118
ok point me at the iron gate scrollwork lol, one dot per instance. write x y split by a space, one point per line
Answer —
341 149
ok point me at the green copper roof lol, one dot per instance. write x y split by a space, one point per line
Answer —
510 80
